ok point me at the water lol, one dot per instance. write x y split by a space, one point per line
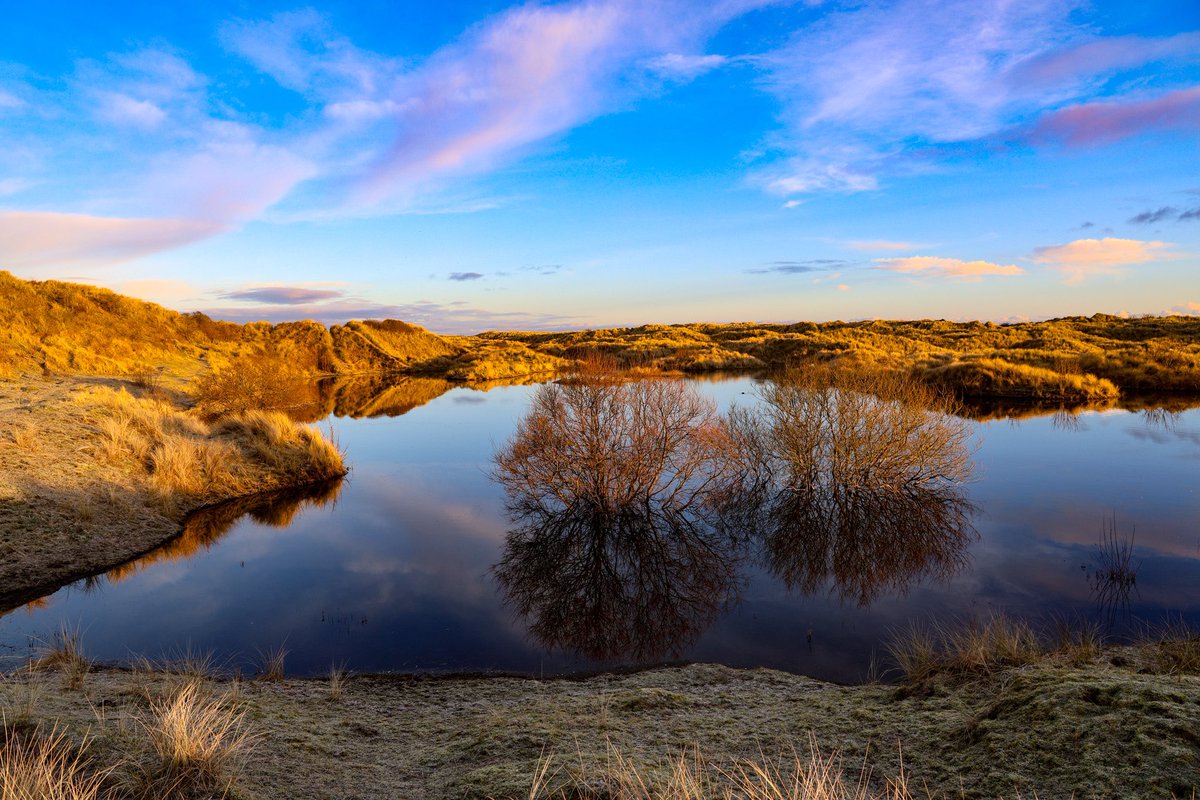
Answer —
394 569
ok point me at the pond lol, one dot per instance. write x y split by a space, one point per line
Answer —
414 563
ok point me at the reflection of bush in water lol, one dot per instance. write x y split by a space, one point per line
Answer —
612 485
623 584
633 502
865 543
828 428
856 479
202 529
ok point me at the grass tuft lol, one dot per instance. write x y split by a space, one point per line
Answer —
64 653
45 767
270 664
198 744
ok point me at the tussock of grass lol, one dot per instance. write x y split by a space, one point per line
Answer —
64 653
34 766
270 664
198 744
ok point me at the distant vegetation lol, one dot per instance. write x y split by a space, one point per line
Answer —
68 328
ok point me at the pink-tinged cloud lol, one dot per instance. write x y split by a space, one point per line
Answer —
1086 60
1186 310
1091 124
31 239
1084 258
234 178
934 266
677 65
527 75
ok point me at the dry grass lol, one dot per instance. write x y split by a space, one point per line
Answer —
270 664
1175 648
64 653
690 776
45 767
189 459
337 682
69 328
977 647
198 744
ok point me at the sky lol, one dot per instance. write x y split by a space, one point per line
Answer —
483 165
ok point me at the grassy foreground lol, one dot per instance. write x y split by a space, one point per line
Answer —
96 471
1105 725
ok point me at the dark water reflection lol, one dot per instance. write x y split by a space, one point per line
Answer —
412 565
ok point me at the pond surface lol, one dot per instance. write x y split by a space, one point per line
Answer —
394 570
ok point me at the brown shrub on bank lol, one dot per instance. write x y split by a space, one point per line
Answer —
261 382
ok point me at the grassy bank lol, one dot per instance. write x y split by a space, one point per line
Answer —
1101 725
96 471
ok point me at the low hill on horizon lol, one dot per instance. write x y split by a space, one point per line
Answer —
60 327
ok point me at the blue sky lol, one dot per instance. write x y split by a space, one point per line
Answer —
469 166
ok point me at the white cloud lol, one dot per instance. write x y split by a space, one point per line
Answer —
1083 258
678 65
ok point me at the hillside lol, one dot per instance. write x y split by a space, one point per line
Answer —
56 327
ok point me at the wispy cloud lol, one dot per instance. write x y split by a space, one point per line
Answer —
282 295
39 239
885 89
464 276
799 267
1190 214
1150 217
1185 309
1084 258
946 267
678 65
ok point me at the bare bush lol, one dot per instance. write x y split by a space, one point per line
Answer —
261 382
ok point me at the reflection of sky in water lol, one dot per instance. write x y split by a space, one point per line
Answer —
396 576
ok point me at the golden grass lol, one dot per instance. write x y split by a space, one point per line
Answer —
690 776
192 461
337 682
64 653
198 744
45 767
61 327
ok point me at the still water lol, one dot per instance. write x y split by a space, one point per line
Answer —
396 568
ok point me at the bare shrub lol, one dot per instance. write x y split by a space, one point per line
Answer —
261 382
878 431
